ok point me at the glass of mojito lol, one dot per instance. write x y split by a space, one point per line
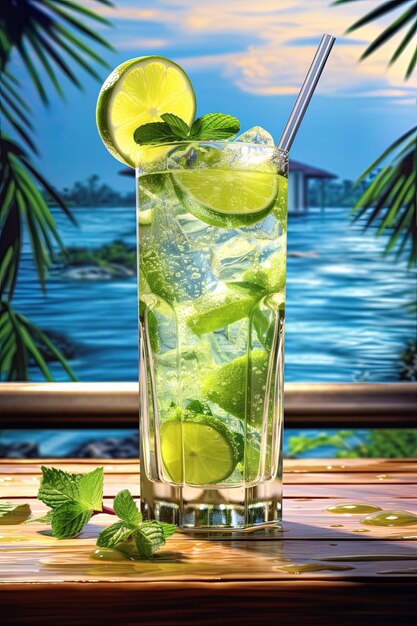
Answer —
212 256
212 223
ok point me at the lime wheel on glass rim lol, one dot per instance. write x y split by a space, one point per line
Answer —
137 92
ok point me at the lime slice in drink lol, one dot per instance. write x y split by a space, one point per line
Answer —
137 92
235 383
228 199
217 310
206 445
145 218
269 273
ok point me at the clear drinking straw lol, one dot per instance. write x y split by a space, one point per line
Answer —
306 92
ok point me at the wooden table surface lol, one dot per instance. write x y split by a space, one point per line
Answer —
324 568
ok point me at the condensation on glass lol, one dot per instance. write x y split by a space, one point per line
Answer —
211 312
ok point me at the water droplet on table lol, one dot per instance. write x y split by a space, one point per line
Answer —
390 518
352 508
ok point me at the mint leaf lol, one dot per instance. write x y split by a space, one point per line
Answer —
198 406
125 507
215 126
91 489
115 534
148 538
245 286
177 125
173 129
44 519
58 487
69 519
154 132
13 513
167 529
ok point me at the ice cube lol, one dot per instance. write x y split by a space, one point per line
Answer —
232 258
257 134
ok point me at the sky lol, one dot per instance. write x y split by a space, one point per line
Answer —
247 58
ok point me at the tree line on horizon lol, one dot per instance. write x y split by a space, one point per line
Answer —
92 192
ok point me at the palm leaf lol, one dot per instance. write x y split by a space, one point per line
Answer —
412 64
398 24
35 43
23 203
32 71
390 31
15 110
17 125
22 341
52 29
44 339
390 202
7 80
14 363
80 26
379 11
77 8
409 36
388 152
60 62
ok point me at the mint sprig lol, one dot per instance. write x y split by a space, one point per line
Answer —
174 129
75 498
147 536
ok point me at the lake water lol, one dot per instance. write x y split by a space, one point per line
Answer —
346 319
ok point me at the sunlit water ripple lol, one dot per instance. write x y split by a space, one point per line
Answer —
345 320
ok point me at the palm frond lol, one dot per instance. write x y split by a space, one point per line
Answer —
379 11
390 202
413 62
399 23
22 203
22 342
409 36
390 31
57 38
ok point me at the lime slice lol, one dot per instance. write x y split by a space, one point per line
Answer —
227 386
228 199
216 311
206 446
145 218
137 92
268 273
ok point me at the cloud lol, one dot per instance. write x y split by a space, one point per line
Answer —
312 41
142 44
282 39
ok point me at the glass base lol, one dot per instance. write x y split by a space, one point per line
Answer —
236 512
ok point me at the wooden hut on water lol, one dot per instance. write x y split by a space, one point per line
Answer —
299 177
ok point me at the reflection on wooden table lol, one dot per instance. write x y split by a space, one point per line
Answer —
325 567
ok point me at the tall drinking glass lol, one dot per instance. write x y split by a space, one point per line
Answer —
212 222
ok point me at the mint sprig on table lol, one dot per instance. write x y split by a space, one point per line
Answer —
74 498
173 129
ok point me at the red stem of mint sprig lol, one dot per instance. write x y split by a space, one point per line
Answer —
105 509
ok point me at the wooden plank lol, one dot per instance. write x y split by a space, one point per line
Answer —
290 602
320 523
31 467
131 466
104 405
28 485
352 492
302 573
183 559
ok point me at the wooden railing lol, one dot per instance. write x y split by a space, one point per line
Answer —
115 405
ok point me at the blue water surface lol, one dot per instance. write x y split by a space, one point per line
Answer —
346 315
